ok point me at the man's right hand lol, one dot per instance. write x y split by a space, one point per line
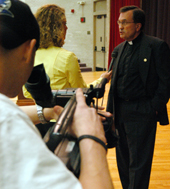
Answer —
85 120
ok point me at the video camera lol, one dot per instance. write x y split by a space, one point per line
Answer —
58 138
38 85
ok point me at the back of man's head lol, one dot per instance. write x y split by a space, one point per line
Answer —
17 24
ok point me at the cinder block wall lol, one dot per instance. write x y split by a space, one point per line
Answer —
77 39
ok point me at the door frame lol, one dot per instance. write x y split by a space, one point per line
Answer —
107 29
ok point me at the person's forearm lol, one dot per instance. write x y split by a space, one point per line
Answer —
94 172
94 166
31 111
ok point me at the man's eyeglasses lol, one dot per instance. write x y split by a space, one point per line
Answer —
124 22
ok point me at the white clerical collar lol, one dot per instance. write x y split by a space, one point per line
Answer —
130 42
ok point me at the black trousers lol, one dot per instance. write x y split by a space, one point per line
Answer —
136 124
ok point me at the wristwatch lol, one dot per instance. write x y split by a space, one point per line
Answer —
41 115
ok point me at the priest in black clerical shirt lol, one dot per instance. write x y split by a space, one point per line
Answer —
139 92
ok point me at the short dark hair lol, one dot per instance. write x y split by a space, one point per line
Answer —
138 14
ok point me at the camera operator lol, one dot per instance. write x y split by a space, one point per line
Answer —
25 161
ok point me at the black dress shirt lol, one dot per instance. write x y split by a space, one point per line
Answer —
129 83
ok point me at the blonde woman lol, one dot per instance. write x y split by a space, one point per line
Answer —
61 65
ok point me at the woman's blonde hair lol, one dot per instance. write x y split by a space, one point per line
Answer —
50 19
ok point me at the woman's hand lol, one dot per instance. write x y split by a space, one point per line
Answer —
107 75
